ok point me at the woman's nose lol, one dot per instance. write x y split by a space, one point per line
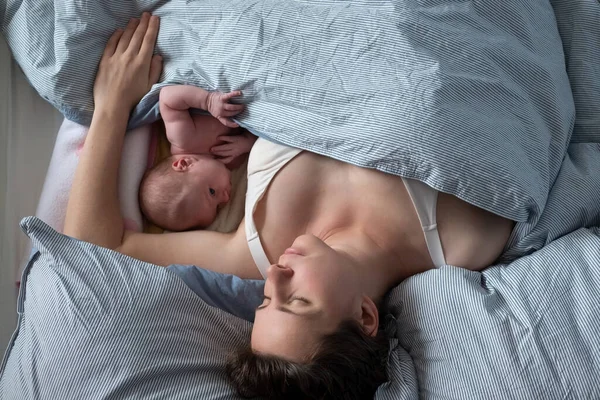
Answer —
277 273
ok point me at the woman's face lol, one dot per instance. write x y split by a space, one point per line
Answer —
308 294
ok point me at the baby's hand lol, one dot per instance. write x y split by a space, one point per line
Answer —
221 109
235 146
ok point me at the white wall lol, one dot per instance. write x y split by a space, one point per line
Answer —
28 127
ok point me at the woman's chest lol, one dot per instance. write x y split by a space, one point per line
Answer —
287 206
316 195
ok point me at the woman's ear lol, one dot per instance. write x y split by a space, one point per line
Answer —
369 319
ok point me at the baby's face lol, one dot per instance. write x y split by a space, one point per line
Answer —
207 186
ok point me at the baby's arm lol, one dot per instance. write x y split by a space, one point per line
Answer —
175 102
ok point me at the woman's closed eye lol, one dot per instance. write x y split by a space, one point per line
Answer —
293 299
300 299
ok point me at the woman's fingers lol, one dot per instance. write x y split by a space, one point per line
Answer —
126 37
125 80
147 48
155 69
138 36
111 46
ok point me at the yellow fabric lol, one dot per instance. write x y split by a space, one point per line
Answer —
163 150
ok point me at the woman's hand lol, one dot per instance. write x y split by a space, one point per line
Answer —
128 68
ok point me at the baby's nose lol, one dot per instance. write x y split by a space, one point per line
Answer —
225 196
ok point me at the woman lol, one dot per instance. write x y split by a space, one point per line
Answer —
329 237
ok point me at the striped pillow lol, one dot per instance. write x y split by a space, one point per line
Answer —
95 324
528 330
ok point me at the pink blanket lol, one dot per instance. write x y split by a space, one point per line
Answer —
69 143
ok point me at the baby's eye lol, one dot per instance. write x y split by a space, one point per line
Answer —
211 191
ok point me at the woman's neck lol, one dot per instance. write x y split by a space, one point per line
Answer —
380 267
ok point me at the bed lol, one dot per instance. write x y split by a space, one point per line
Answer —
512 89
24 149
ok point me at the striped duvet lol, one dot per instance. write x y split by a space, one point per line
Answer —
477 99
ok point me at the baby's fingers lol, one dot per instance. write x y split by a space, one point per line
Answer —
227 160
227 122
228 139
226 113
231 95
222 150
234 107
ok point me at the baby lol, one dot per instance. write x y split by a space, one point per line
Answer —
185 190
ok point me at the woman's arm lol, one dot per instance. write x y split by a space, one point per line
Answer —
126 73
220 252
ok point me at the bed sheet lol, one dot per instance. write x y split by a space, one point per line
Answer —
28 126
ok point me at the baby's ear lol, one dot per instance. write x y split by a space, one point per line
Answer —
180 165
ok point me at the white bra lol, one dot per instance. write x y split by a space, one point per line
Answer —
267 158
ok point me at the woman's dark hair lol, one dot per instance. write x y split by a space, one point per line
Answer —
348 364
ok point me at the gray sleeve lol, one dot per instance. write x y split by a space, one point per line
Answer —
230 293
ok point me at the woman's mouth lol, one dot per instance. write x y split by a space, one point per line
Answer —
293 251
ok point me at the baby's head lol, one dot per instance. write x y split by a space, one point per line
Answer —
185 191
